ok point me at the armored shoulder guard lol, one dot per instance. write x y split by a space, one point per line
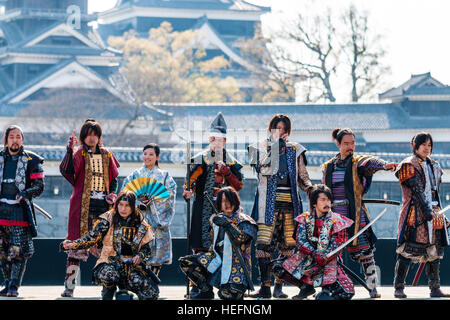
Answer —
405 172
33 157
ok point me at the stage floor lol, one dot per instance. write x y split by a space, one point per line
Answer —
178 292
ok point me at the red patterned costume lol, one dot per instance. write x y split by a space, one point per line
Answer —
308 267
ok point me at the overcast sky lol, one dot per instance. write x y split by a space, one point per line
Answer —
415 31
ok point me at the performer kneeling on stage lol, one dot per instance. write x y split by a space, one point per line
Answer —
125 237
227 265
309 266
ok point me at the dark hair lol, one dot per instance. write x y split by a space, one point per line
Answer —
280 118
6 134
338 133
90 125
419 139
131 199
316 190
231 195
155 147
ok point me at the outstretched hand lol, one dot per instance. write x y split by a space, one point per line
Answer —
390 166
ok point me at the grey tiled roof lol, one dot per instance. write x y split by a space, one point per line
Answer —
307 116
420 84
36 80
178 156
234 5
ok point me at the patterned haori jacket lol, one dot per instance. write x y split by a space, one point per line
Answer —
205 176
264 157
227 269
357 181
113 238
29 181
420 194
161 219
321 238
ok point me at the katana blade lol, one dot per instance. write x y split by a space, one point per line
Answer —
332 253
42 211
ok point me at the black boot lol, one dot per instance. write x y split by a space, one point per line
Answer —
108 292
401 271
305 291
6 271
17 271
265 274
206 293
264 292
434 283
277 291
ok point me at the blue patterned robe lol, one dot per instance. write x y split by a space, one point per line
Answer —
160 220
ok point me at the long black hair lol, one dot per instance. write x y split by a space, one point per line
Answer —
280 118
90 125
130 197
231 195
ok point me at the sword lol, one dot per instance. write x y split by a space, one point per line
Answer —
42 211
382 201
235 248
430 235
356 235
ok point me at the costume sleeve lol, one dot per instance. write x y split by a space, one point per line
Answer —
113 186
67 168
303 244
370 166
264 162
168 211
94 236
233 176
195 173
410 178
37 183
249 230
145 254
303 177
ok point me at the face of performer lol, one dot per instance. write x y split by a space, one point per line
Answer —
347 146
124 209
323 205
424 149
91 140
15 141
227 207
279 131
217 143
149 157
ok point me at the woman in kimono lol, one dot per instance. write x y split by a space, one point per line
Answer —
159 213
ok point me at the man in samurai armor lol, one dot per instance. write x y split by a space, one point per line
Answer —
309 266
422 231
210 170
21 180
281 168
125 238
349 177
227 265
92 170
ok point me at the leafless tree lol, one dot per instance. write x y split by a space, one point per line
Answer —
363 52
